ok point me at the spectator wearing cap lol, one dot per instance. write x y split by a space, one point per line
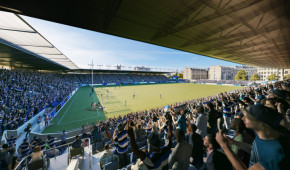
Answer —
107 156
215 160
195 140
181 153
270 149
158 159
201 122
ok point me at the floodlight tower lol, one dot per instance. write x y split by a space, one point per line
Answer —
92 66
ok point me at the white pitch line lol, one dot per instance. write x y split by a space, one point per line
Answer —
67 109
78 120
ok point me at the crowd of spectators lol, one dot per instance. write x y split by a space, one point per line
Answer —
120 78
240 82
23 94
225 131
195 133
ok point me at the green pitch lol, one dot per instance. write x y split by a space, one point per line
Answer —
75 114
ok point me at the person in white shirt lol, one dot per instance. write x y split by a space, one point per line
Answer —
201 122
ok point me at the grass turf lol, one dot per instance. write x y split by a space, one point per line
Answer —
75 114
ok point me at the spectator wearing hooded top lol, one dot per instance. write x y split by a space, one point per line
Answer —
158 159
181 153
270 149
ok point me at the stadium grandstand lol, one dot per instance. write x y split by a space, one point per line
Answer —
56 115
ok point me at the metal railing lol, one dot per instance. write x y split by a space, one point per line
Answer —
25 159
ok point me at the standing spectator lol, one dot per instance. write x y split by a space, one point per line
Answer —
11 141
240 136
158 159
27 129
63 137
212 118
215 160
181 153
227 112
24 148
46 120
181 121
120 138
84 132
195 140
270 149
201 122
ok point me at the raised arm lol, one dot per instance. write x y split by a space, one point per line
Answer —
135 149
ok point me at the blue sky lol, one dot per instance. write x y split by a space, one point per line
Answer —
82 46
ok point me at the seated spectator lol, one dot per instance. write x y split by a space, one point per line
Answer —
107 156
77 143
270 149
52 152
181 153
195 140
215 159
37 154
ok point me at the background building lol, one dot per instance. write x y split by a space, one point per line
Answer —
195 73
265 72
249 70
222 73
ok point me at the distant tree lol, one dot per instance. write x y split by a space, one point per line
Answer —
180 75
287 76
255 77
272 77
241 75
